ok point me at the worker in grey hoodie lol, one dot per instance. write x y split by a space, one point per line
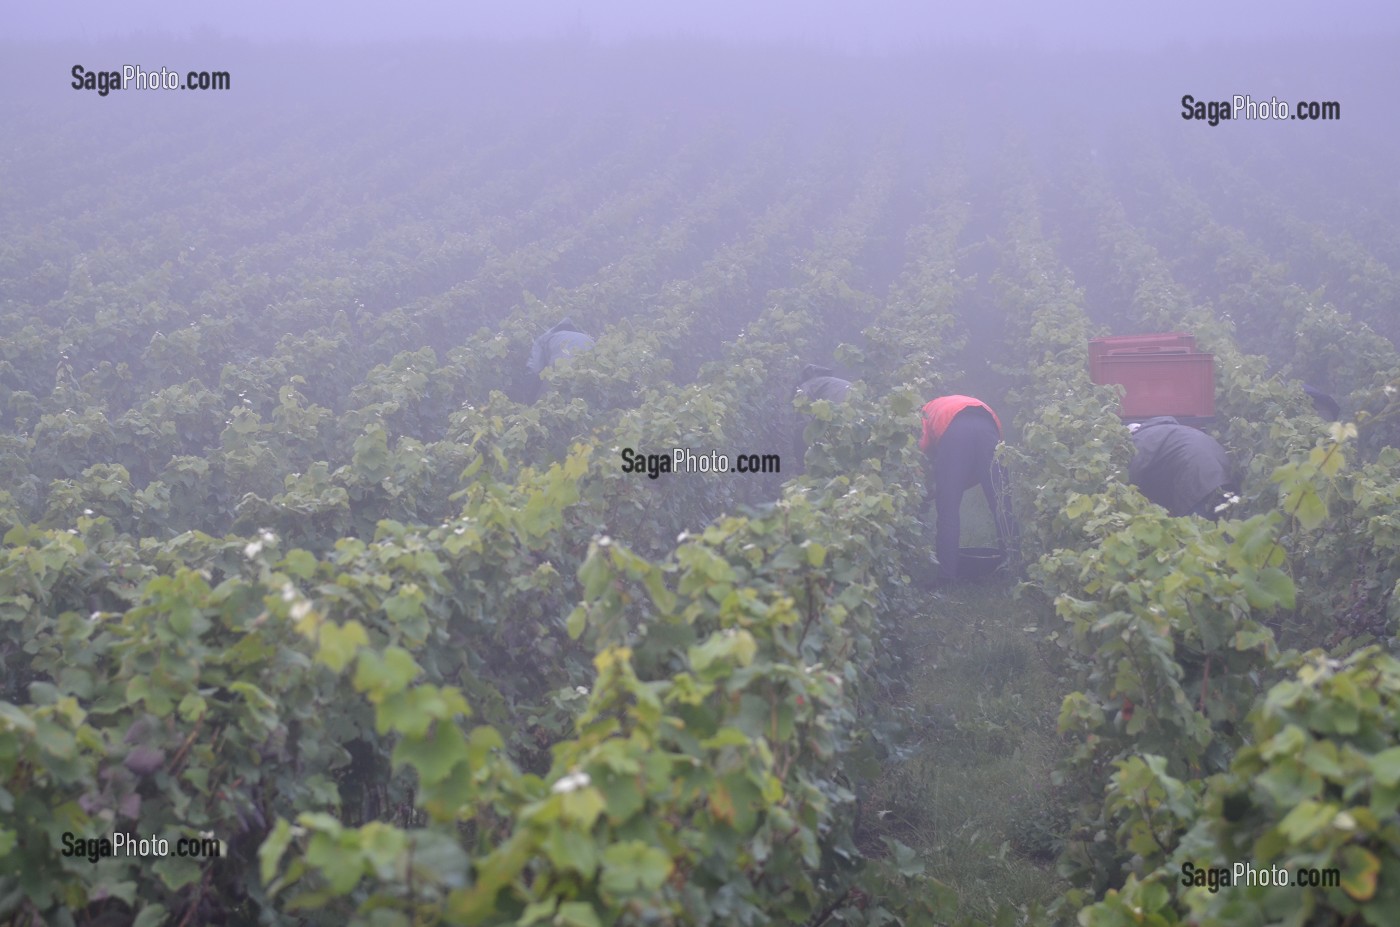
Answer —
563 340
815 383
820 383
1327 407
1182 469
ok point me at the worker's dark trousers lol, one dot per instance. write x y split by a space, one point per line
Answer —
966 458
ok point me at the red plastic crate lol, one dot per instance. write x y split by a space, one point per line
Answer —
1133 345
1182 385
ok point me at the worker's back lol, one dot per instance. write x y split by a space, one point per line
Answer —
817 383
563 340
1326 407
832 389
1178 467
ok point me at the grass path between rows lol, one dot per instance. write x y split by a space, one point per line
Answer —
973 792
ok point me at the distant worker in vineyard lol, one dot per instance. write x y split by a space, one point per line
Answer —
563 340
1324 404
1182 469
815 383
959 440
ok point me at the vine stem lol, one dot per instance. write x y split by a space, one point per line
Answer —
1146 809
412 889
1299 504
184 747
199 896
830 909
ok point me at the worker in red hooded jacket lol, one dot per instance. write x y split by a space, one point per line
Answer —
960 437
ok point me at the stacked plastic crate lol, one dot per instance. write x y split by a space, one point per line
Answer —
1161 374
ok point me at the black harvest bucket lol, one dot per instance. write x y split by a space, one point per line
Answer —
978 562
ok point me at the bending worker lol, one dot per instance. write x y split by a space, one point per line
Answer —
960 437
563 340
1182 469
820 383
1326 407
816 383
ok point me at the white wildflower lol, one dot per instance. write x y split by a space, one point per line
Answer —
1231 499
269 538
301 610
94 616
252 549
581 690
87 511
570 783
605 541
289 592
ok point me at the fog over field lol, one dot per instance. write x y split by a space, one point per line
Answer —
875 25
1108 64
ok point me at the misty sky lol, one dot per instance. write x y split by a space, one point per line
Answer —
872 25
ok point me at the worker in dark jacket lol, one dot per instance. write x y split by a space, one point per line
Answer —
815 383
820 383
1182 469
563 340
960 437
1324 404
